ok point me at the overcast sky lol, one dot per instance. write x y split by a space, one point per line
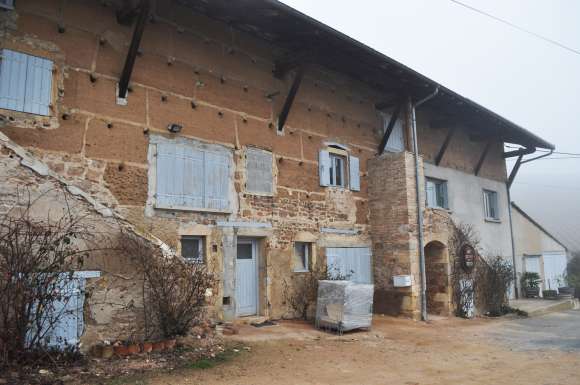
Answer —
525 79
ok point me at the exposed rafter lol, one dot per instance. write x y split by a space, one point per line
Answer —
390 127
445 144
521 151
482 157
290 98
144 7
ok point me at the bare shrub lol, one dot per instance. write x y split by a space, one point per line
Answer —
463 283
484 287
494 277
301 290
37 258
175 291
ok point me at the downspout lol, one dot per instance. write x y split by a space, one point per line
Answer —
509 183
418 201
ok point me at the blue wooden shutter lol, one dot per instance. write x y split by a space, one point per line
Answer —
324 168
444 196
192 177
217 176
180 176
12 80
396 142
259 178
38 86
354 173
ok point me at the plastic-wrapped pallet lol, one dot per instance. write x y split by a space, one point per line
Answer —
344 305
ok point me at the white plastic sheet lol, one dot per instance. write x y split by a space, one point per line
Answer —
344 305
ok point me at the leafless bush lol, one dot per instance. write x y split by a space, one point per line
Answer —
301 290
175 291
463 283
486 285
494 277
37 257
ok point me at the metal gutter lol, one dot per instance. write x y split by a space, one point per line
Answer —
420 235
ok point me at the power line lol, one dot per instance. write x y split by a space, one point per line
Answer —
546 39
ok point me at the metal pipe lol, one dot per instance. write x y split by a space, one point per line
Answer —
418 201
511 178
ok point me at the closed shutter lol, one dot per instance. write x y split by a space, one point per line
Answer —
12 80
38 86
396 142
193 176
25 83
179 176
354 174
351 262
216 181
324 167
259 178
431 193
62 322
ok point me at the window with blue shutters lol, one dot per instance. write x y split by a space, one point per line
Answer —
436 193
335 166
192 176
25 83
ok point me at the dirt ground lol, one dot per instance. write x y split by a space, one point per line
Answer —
395 351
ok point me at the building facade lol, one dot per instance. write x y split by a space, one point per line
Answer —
263 168
538 251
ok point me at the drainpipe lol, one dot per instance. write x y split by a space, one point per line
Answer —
418 201
511 178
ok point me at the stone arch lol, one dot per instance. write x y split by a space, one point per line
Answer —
438 271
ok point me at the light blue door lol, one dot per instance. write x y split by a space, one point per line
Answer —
62 323
246 277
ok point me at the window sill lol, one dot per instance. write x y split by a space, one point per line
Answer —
492 220
182 208
443 209
301 271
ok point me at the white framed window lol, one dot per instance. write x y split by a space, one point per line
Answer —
333 165
436 193
192 249
301 256
259 176
490 205
192 176
337 170
25 82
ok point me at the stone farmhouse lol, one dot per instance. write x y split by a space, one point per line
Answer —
251 138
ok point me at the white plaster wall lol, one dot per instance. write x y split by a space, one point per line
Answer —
465 193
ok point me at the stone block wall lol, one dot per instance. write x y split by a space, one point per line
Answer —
393 217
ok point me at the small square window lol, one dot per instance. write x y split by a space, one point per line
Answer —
490 205
192 249
337 170
436 193
301 256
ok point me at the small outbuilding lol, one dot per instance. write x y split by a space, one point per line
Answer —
538 251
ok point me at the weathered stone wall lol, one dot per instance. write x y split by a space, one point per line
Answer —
215 82
393 217
113 303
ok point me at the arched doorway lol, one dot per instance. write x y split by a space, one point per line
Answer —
437 271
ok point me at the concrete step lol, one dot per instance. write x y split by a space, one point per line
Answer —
537 307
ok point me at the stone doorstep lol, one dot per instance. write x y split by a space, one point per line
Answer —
249 320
